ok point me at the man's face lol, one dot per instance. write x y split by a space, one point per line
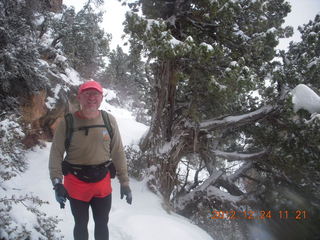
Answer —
90 99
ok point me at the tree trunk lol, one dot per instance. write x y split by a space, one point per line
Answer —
164 143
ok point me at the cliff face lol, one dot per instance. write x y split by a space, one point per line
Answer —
40 121
34 80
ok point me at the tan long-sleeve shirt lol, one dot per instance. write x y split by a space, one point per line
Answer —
91 149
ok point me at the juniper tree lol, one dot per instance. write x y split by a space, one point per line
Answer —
117 70
82 39
207 58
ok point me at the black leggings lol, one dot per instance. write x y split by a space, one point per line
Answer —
100 211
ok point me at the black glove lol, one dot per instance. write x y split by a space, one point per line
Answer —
61 194
125 190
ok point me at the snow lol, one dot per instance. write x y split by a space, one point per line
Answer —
234 64
305 98
314 62
234 156
61 58
220 86
7 126
168 146
51 101
223 195
189 39
108 95
242 35
206 45
145 219
185 168
272 30
130 130
151 22
174 42
73 76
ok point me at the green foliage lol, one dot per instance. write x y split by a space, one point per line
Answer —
11 150
301 63
220 48
117 72
18 51
82 40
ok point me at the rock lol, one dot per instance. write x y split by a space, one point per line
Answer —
34 107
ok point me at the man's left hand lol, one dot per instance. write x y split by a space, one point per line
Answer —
125 190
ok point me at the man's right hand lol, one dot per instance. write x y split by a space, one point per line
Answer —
61 194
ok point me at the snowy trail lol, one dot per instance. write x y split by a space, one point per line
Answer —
143 220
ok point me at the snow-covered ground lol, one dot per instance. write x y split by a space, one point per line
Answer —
145 219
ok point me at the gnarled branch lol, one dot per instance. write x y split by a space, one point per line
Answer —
237 121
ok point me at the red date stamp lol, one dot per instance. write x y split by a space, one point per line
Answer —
259 215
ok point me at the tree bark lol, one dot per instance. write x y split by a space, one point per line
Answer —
163 141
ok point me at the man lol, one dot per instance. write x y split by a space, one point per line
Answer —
84 175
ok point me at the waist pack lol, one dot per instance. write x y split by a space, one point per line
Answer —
89 173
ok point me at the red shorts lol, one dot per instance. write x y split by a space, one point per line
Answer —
85 191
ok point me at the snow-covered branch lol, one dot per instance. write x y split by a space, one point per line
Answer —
236 121
235 156
211 192
211 180
215 193
210 188
242 170
228 182
184 200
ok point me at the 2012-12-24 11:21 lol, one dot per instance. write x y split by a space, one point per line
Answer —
263 214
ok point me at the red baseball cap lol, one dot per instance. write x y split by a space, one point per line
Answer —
90 85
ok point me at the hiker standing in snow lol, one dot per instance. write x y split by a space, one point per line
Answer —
91 139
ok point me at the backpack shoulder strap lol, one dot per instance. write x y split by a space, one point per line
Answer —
69 130
107 123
